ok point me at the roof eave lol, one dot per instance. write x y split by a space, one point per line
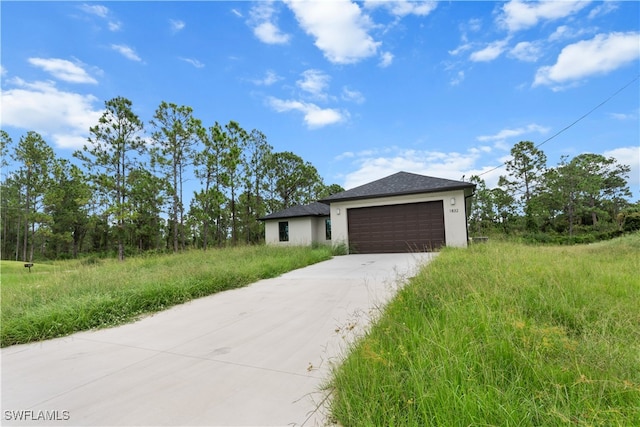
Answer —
328 201
267 218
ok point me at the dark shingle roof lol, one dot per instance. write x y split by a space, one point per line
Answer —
398 184
313 209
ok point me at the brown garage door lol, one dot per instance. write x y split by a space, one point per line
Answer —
396 228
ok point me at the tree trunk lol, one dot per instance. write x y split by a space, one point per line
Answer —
4 236
181 209
33 241
120 250
175 209
570 212
121 198
18 238
249 222
26 217
234 235
205 214
75 248
594 216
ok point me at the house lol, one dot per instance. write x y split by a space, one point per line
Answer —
400 213
299 225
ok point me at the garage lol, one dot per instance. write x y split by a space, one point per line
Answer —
396 228
403 212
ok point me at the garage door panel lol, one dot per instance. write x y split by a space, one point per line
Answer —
397 228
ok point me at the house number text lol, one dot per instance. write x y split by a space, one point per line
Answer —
455 210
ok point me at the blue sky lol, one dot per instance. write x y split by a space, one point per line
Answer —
359 89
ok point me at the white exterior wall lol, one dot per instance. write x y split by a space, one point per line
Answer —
319 230
303 231
455 221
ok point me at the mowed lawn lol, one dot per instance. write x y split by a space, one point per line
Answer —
63 297
504 334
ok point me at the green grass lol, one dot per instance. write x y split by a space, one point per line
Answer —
504 334
64 297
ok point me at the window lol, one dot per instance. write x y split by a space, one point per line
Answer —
283 231
327 228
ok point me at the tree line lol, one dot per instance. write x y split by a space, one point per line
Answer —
582 199
124 193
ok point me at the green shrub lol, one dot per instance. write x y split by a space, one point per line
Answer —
631 221
339 249
582 236
91 260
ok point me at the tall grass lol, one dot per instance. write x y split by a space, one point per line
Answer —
64 297
504 334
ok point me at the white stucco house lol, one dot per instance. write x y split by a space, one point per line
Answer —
403 212
298 225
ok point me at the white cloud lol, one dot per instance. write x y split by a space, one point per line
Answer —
270 78
564 32
462 48
459 78
620 116
376 164
3 71
115 25
339 28
519 15
600 55
101 12
95 9
352 95
314 116
268 33
625 116
63 70
474 25
264 25
489 174
126 51
386 58
345 155
236 12
314 82
526 51
193 62
505 134
176 25
64 117
401 8
262 11
629 156
603 9
489 53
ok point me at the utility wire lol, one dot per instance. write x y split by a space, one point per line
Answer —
585 115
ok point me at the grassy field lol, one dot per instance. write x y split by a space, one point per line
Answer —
504 334
64 297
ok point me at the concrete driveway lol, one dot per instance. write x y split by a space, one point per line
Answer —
255 356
